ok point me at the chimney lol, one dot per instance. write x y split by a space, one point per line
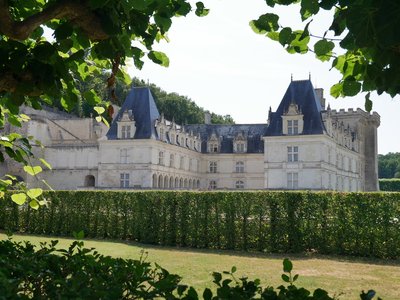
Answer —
207 118
320 94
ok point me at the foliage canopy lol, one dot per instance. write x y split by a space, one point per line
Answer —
367 30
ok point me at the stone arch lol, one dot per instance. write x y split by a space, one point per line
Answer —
90 181
181 183
176 182
171 182
185 183
198 184
154 181
190 184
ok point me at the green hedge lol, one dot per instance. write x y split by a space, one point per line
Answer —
363 224
390 185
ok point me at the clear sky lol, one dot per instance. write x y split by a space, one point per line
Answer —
223 66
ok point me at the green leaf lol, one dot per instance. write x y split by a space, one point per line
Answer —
99 109
45 163
337 90
233 269
201 11
287 265
63 31
19 198
295 277
368 103
92 98
162 22
34 193
33 170
286 36
159 58
265 23
34 204
285 278
98 119
323 49
351 87
207 294
309 8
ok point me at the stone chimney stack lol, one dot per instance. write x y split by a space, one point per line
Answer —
320 94
207 118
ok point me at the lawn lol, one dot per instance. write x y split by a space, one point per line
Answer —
341 276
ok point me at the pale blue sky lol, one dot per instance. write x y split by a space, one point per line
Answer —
222 65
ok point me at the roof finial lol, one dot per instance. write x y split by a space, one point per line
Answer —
309 76
291 76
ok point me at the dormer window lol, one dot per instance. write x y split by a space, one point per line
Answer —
240 143
126 126
293 127
292 120
213 144
126 132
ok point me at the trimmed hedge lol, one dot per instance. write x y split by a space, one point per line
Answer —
390 185
363 224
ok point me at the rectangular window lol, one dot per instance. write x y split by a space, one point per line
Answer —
161 158
293 127
126 131
239 167
213 167
124 180
292 180
293 153
123 156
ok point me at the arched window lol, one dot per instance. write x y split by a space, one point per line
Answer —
239 168
185 184
176 182
166 182
181 183
212 185
161 158
171 183
154 180
198 184
239 184
160 182
190 184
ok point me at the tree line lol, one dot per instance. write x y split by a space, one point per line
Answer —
389 165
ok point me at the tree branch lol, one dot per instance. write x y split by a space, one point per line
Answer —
74 11
9 82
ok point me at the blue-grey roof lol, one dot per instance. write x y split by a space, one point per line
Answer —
300 92
227 133
145 113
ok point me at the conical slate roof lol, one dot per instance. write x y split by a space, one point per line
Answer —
300 92
145 113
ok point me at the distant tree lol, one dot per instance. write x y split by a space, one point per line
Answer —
389 165
367 31
182 109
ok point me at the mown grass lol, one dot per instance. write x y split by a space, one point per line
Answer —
341 276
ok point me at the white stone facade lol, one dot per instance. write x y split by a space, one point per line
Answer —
301 147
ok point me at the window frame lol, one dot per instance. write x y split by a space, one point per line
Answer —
292 180
292 153
124 179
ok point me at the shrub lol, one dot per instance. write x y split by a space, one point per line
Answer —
363 224
390 185
81 273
